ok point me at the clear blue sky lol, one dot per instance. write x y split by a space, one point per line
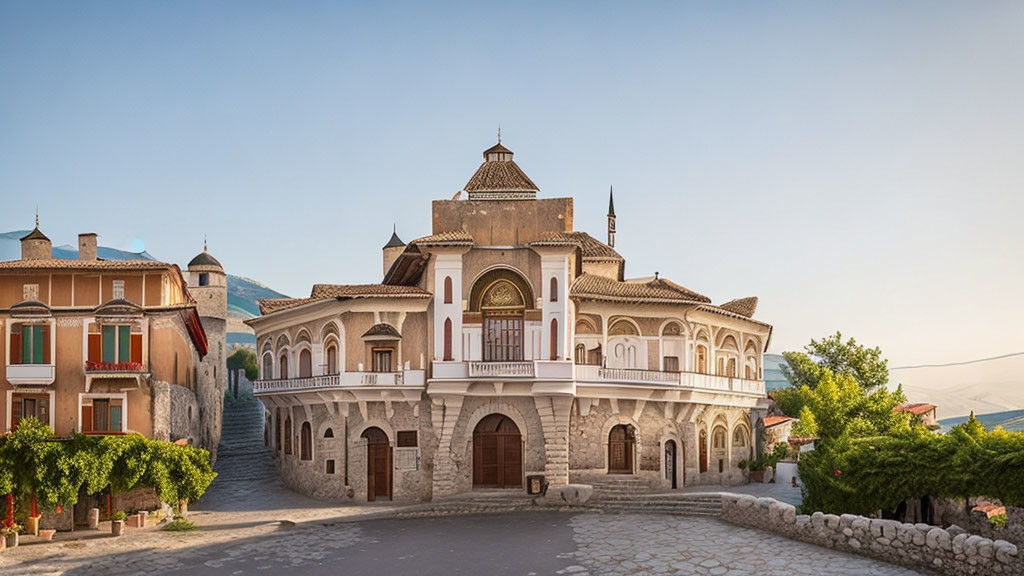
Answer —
858 167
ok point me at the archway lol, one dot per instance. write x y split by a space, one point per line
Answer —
378 464
621 448
670 463
502 296
497 453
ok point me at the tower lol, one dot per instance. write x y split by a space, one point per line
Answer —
208 284
392 250
611 218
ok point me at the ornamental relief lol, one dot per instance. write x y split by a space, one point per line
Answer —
502 295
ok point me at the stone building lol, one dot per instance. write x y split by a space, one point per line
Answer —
209 287
506 344
96 346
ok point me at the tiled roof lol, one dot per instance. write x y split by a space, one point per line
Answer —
592 248
496 176
204 258
775 420
918 409
35 234
742 306
653 291
269 305
322 291
61 264
451 238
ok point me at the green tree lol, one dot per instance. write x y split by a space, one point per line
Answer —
244 359
807 427
865 365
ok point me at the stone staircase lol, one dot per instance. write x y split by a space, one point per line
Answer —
241 455
624 494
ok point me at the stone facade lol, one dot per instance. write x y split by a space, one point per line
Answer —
954 552
505 345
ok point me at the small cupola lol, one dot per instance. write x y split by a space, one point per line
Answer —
500 178
35 245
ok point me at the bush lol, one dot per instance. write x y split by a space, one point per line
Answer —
180 524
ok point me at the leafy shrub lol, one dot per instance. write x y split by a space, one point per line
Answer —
180 524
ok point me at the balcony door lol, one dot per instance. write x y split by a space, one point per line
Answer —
503 307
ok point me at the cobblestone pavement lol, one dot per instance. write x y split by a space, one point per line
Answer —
523 543
636 544
781 490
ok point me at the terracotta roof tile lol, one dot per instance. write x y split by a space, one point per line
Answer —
592 248
742 306
653 291
495 176
918 409
62 264
324 291
775 420
269 305
451 238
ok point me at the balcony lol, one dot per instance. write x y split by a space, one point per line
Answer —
529 370
31 374
407 378
501 370
685 380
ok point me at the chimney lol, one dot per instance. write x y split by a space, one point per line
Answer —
87 246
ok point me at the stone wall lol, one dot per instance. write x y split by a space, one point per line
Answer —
184 415
955 512
952 552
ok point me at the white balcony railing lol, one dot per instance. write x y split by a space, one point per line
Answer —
31 374
411 378
686 380
501 370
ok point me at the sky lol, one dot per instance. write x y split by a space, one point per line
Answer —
856 166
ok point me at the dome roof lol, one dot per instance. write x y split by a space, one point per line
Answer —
500 178
204 259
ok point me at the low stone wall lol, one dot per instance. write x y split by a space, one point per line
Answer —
949 512
914 545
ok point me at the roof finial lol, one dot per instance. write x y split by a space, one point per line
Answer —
204 242
37 215
499 132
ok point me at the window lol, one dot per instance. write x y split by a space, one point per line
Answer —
305 363
118 290
115 344
382 359
702 359
448 340
671 364
329 433
718 438
447 289
305 442
554 289
581 354
30 292
284 365
36 406
34 342
407 439
288 435
739 437
554 338
330 467
204 279
268 368
332 359
277 431
102 416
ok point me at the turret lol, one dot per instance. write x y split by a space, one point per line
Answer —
392 250
35 245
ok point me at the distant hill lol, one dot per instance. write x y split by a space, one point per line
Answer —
1012 420
983 386
242 292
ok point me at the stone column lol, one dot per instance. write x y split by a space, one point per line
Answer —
444 413
554 418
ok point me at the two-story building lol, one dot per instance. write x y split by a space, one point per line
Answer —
506 344
99 346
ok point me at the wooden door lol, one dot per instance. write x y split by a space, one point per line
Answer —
670 462
703 451
378 465
620 450
497 453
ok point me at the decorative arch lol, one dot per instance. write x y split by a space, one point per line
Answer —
267 365
302 336
553 289
672 328
513 289
585 325
372 423
448 290
305 362
623 326
306 441
283 341
496 406
283 356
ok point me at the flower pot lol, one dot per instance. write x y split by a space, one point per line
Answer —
3 544
32 525
12 540
757 476
47 535
116 527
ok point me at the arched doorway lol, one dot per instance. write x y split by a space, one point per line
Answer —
497 453
670 463
378 464
502 297
621 443
703 450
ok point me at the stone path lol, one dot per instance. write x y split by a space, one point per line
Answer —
780 490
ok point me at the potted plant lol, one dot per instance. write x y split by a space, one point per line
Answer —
9 531
117 523
756 467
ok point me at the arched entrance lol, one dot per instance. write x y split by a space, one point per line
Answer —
670 463
703 450
621 444
378 465
497 453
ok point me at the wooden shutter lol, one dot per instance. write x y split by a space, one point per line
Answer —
26 344
95 347
100 415
86 419
109 338
137 348
15 412
15 345
124 343
44 343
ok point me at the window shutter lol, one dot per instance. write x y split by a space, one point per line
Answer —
37 344
115 419
95 347
124 343
86 419
15 412
26 344
109 351
44 343
15 346
137 348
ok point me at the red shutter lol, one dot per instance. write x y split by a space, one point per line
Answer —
16 346
15 412
45 344
95 347
137 348
86 419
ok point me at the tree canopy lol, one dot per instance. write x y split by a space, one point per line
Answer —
865 365
244 358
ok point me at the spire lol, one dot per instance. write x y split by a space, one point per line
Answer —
204 243
499 133
611 201
37 216
611 218
395 241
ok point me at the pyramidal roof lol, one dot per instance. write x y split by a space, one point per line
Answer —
500 178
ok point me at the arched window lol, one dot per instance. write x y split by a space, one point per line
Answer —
448 340
329 433
332 359
284 365
718 438
739 437
554 289
306 442
447 289
702 359
554 338
581 354
305 363
268 367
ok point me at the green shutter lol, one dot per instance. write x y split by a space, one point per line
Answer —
37 344
124 343
108 344
26 344
115 419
